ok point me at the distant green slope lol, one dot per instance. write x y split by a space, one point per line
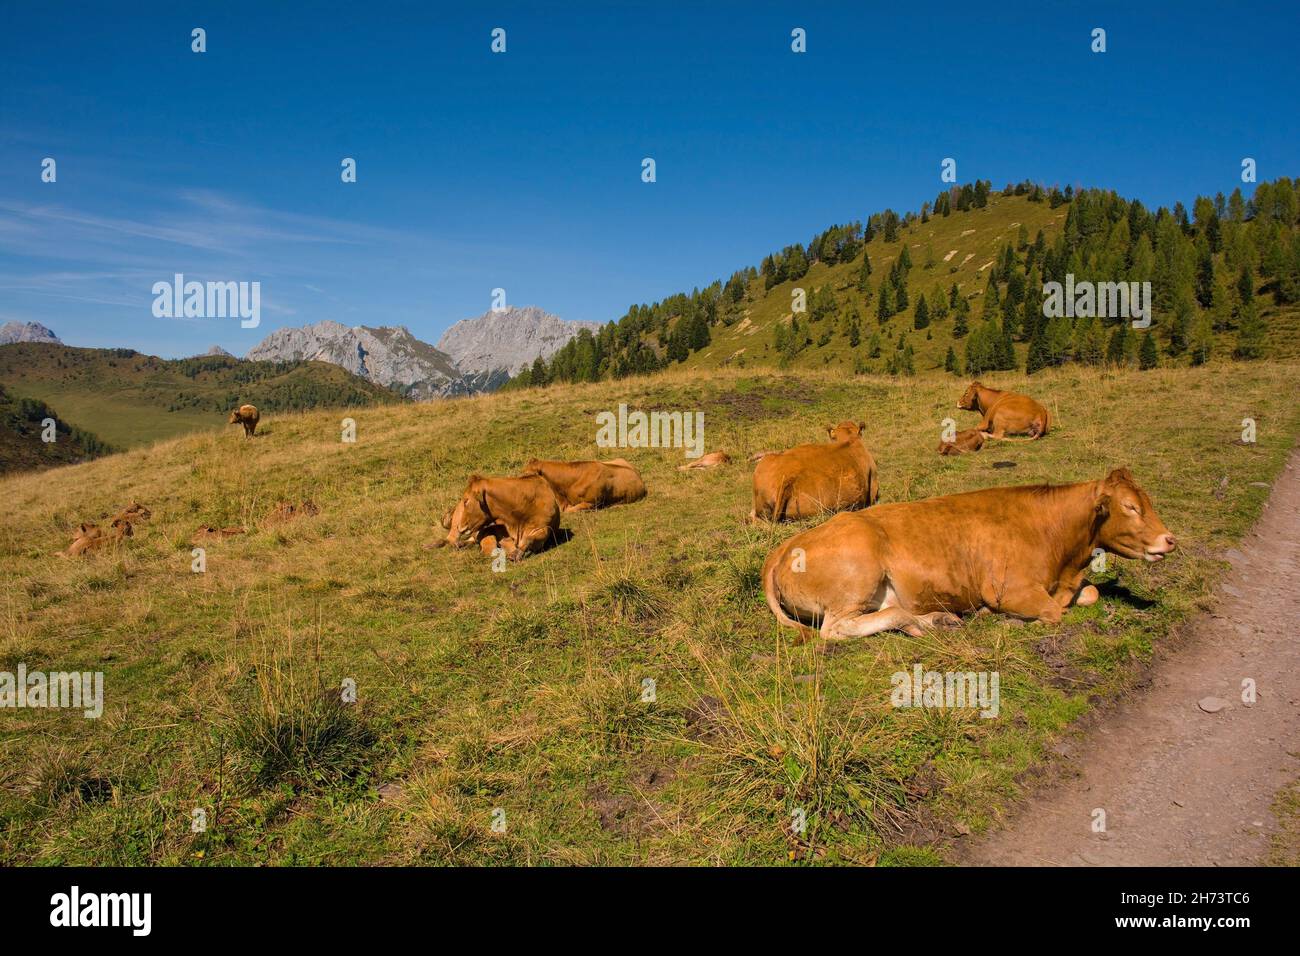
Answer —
129 399
22 431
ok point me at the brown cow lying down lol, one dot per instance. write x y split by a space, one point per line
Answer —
246 415
582 485
1005 413
522 515
135 513
711 460
967 440
1021 551
90 537
287 511
209 533
810 479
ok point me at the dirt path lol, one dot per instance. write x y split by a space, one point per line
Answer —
1181 786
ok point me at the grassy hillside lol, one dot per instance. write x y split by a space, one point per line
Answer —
880 297
964 246
21 430
522 690
129 399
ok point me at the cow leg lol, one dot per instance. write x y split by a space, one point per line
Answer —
580 506
532 541
836 628
1076 591
1088 594
939 619
1032 604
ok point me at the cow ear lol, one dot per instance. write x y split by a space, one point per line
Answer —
1101 507
1118 475
862 427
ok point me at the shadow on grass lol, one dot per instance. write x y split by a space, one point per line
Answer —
1113 590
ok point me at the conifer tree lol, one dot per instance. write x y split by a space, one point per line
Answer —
1147 355
1201 340
960 327
1250 334
885 303
922 317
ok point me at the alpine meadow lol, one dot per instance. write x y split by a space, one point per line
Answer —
352 519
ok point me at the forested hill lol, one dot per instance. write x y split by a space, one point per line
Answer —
27 426
959 285
128 398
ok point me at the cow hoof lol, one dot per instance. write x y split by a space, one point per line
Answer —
946 620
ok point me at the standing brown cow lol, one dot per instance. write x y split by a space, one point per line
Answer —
808 480
915 564
1005 412
247 416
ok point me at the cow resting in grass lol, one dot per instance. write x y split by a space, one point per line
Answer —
583 485
1005 413
248 416
918 564
519 515
966 440
808 480
712 460
91 537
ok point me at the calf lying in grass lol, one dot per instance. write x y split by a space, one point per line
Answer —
967 440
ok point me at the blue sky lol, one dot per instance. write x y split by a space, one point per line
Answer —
522 170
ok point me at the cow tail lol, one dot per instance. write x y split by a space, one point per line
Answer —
782 500
773 595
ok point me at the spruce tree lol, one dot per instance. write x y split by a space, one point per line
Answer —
885 303
960 326
1038 357
1147 355
1245 286
1006 350
1116 349
922 317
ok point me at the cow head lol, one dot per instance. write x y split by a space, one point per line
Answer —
532 467
235 417
845 431
470 514
1130 526
969 400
